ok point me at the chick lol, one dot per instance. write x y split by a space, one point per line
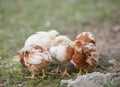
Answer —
62 52
85 53
34 58
42 38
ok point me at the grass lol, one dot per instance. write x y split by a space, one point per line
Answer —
21 18
109 85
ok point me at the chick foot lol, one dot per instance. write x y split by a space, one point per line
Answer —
44 74
43 77
31 77
79 74
65 73
58 71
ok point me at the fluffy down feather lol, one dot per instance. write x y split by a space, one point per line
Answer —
62 40
58 51
34 58
62 50
42 38
85 55
86 37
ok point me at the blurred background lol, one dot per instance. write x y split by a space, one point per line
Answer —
22 18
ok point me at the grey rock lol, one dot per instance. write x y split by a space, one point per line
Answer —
116 28
112 61
95 79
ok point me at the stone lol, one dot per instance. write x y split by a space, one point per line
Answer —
95 79
112 61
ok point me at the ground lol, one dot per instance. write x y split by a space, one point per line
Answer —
21 18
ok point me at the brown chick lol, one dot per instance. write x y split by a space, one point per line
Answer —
85 56
86 37
34 58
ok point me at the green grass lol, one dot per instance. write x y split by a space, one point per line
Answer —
109 85
21 18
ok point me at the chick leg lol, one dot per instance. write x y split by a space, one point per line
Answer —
31 77
33 73
66 71
86 72
58 71
44 75
80 73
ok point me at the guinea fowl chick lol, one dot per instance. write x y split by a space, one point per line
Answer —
62 52
34 58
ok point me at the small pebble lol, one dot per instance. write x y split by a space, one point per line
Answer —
112 61
19 85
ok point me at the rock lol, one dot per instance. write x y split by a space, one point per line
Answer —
65 82
116 28
112 61
95 79
20 85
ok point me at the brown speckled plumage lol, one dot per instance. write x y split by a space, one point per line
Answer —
34 53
